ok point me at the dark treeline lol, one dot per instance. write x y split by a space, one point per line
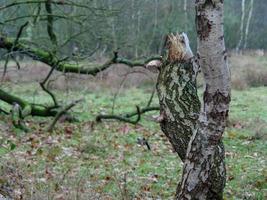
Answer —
135 27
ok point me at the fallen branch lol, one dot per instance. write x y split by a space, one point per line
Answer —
127 117
142 111
26 107
3 111
60 113
22 108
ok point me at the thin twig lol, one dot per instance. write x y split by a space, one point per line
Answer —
62 112
151 97
13 46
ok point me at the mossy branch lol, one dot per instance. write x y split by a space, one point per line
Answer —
26 107
51 60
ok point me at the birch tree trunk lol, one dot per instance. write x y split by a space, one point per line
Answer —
111 22
195 134
241 26
248 23
204 171
185 15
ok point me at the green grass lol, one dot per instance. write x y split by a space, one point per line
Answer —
89 161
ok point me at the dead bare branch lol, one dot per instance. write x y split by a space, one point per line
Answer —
62 112
127 117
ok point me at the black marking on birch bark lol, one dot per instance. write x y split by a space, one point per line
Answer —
221 37
217 97
203 26
203 3
225 54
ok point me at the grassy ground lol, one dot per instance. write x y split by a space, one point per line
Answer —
103 161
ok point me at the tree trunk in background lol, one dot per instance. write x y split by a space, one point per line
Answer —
241 26
155 26
185 16
197 135
137 33
248 22
111 23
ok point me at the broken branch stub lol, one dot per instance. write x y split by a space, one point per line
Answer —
178 50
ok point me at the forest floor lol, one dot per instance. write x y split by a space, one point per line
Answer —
89 160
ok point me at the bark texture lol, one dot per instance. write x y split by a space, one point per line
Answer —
196 134
204 171
179 102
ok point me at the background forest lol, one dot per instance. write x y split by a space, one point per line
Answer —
134 26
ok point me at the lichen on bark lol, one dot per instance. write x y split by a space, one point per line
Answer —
179 102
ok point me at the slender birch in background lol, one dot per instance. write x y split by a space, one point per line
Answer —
111 22
248 22
241 26
185 15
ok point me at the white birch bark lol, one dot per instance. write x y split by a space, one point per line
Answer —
197 135
241 26
185 15
248 23
204 170
111 22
